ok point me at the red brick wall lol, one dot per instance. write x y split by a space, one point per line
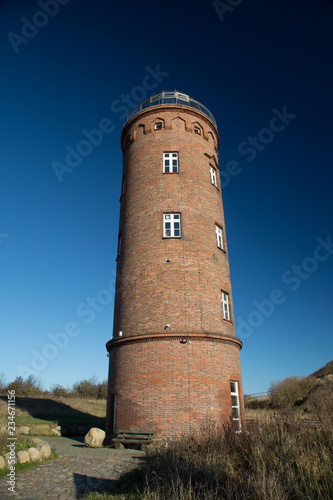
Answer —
175 282
173 388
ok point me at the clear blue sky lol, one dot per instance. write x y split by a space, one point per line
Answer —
247 64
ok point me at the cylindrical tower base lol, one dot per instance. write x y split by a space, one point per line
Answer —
172 385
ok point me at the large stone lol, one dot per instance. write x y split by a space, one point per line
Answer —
2 463
94 438
41 430
24 429
34 454
23 457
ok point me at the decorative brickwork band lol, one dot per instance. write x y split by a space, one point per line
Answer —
164 337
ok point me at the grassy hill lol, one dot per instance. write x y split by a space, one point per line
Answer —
61 411
325 371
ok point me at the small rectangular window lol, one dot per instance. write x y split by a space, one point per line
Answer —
219 237
113 411
119 244
235 413
171 226
123 183
170 163
213 178
197 130
158 126
225 306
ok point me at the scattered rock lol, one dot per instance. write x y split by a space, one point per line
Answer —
23 457
43 447
41 430
34 454
118 446
45 450
94 438
9 457
38 442
55 432
24 429
58 428
2 463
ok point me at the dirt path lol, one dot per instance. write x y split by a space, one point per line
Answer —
77 471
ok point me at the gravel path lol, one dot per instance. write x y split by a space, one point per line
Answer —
77 471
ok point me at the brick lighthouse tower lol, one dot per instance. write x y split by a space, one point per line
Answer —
174 355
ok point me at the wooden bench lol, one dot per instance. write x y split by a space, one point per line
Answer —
138 438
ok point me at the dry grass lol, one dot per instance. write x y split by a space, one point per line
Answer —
278 458
62 411
95 407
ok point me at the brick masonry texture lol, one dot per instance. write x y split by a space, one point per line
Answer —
161 383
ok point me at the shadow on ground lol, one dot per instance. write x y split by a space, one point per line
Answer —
89 484
56 411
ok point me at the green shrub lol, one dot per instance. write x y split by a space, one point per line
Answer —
59 391
29 387
90 389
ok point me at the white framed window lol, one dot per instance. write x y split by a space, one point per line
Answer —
170 163
219 237
197 130
213 178
225 305
171 226
158 125
235 413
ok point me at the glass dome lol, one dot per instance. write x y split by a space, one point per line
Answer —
165 98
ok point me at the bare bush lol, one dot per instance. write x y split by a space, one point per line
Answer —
90 389
291 391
